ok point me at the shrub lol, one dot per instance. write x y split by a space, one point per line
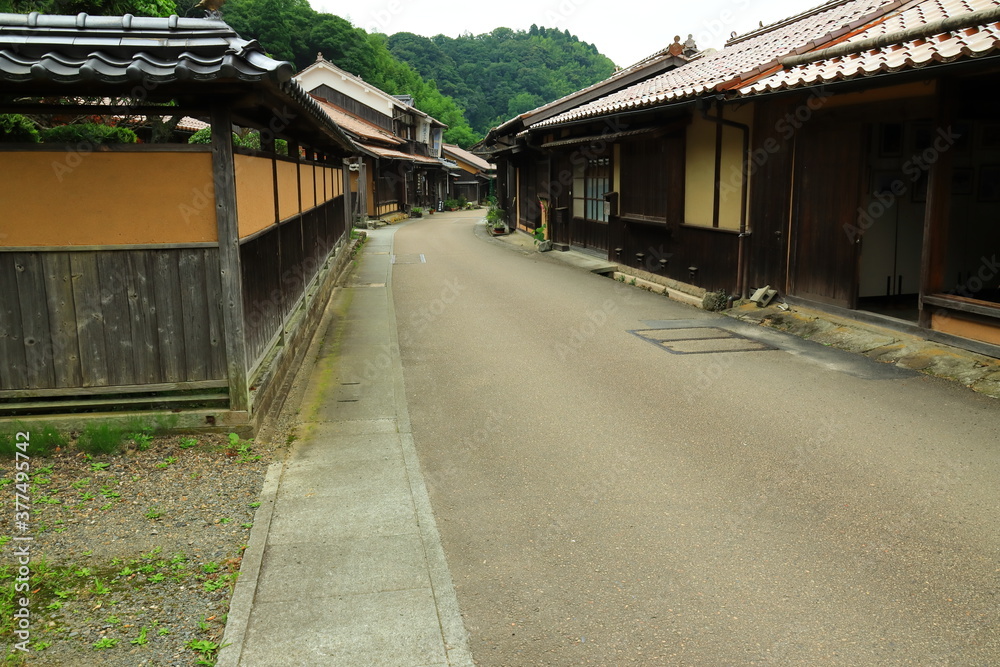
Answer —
202 136
249 140
89 133
18 129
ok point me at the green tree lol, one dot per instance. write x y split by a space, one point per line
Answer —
93 7
497 75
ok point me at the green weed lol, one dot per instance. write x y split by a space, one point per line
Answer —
101 438
141 639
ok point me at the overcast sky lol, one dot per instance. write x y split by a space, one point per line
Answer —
624 30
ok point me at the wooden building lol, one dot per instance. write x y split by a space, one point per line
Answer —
161 276
844 156
472 177
400 164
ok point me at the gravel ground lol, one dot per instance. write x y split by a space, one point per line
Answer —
134 555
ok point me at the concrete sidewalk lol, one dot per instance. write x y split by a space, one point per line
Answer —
347 568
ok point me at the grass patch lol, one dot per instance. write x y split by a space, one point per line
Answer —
42 440
101 438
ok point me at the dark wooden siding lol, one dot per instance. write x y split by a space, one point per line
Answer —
278 266
712 252
532 173
827 195
590 234
391 183
353 107
109 318
652 178
770 194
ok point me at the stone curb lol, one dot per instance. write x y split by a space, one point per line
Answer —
241 603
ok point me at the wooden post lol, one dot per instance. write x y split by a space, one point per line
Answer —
348 204
224 176
938 207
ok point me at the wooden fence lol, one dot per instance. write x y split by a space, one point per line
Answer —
279 265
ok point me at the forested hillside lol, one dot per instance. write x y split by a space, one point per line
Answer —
498 75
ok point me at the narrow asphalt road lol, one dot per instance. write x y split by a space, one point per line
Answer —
604 499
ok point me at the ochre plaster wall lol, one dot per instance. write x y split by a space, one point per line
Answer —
254 193
106 198
699 190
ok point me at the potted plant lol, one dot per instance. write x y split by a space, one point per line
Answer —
416 212
496 220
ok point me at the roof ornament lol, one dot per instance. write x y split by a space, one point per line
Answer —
319 56
213 8
690 48
676 49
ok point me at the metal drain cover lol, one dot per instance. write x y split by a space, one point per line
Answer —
699 340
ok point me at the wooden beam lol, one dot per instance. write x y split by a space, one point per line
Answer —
963 304
938 209
102 109
122 389
224 175
115 402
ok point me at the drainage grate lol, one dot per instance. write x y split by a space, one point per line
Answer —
700 340
409 259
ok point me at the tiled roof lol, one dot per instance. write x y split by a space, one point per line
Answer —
399 155
937 47
357 126
190 124
742 59
122 49
466 156
101 55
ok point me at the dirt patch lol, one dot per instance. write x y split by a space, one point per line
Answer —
133 556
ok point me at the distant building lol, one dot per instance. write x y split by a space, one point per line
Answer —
401 165
472 177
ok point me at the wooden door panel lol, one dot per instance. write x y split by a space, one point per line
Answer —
825 215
